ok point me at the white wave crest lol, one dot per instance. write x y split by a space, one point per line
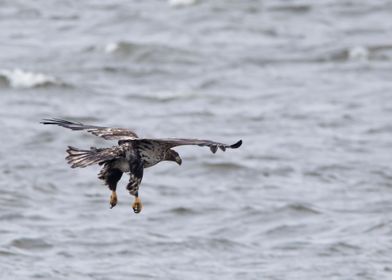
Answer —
111 47
18 78
358 53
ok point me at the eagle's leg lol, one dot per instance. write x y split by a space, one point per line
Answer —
133 188
134 183
111 176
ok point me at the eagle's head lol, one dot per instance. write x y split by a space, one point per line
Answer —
172 155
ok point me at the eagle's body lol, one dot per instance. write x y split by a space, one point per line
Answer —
131 155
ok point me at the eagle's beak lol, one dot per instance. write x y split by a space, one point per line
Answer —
178 160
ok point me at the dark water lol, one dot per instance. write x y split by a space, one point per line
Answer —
305 84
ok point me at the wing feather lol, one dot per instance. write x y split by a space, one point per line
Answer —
107 133
173 142
82 158
123 134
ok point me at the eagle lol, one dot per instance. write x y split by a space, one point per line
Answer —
131 155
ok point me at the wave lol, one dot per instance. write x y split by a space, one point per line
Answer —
357 53
183 211
30 243
353 54
149 52
18 78
224 165
136 48
164 96
182 3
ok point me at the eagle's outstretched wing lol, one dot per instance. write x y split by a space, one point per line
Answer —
107 133
82 158
173 142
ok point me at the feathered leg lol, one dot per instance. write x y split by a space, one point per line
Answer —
134 183
111 176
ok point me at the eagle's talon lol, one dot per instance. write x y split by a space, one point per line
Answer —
113 200
137 206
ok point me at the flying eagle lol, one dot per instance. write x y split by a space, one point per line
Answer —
131 155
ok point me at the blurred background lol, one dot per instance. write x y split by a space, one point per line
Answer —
305 84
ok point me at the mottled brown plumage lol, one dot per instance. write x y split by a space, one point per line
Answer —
131 155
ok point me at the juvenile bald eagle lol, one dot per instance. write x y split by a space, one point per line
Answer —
131 155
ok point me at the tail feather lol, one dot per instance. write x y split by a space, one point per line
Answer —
82 158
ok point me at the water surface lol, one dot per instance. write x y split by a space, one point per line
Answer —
305 84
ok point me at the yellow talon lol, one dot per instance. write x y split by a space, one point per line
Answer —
113 199
137 205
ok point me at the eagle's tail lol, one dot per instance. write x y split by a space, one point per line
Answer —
82 158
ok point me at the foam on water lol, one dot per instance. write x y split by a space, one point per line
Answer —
358 53
18 78
111 47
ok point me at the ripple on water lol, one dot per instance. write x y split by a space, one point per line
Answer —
168 96
287 230
225 166
343 248
295 211
6 253
151 53
182 211
31 244
301 209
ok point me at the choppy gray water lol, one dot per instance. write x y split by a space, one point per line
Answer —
307 86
